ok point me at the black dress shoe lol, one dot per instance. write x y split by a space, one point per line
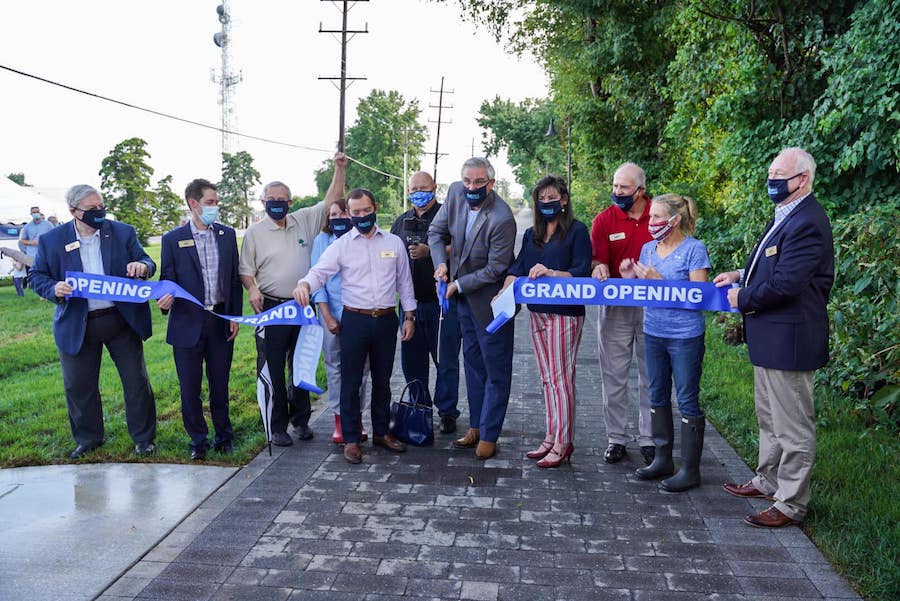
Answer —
614 453
281 439
304 432
648 453
83 449
198 454
448 424
144 449
226 448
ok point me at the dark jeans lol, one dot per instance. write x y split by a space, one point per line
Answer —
678 357
289 403
487 359
18 282
217 353
417 354
363 336
81 380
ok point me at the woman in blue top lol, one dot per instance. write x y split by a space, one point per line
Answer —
673 340
328 300
559 246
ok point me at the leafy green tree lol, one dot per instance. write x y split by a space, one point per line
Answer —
236 188
385 123
169 208
19 178
125 183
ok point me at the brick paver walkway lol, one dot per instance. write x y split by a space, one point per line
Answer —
435 523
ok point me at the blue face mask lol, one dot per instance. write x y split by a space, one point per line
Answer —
421 198
36 216
477 196
550 210
209 215
93 217
364 224
623 202
340 225
778 188
277 209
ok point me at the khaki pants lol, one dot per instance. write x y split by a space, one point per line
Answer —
787 437
620 336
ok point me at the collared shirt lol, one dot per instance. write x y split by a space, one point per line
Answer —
277 257
616 236
331 292
32 231
91 262
208 250
781 213
373 270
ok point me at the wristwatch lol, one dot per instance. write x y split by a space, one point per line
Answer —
410 318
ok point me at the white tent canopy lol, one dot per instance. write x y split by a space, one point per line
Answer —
15 202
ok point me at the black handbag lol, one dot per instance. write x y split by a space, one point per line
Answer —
412 420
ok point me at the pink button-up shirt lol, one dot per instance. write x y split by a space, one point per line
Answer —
373 271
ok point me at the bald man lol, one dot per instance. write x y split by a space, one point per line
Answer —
417 353
618 233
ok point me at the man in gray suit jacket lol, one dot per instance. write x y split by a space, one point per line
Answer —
481 231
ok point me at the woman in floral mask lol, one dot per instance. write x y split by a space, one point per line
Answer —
673 340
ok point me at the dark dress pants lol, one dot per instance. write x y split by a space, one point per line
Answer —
417 354
289 403
81 380
363 336
487 359
213 349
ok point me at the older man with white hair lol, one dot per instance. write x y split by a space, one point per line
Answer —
783 297
82 327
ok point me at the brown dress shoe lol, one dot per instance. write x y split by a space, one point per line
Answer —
468 441
770 518
352 452
389 442
485 450
745 491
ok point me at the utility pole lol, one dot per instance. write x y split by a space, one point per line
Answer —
437 139
226 79
343 77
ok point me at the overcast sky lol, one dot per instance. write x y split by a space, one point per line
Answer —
159 54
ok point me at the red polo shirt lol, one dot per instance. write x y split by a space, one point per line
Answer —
616 236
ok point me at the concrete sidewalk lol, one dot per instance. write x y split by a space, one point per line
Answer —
66 531
436 523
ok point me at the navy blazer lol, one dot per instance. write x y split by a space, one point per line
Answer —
181 264
785 297
118 246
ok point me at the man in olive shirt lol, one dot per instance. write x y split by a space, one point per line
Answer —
274 255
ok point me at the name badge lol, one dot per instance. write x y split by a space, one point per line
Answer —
185 243
772 250
617 236
388 254
73 246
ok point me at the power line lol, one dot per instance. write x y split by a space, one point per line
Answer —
183 120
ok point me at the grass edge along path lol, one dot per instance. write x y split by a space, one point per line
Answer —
854 513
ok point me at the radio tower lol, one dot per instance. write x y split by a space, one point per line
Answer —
226 79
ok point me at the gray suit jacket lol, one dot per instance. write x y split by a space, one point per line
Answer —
480 259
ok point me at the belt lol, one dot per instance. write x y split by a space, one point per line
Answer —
276 299
371 312
101 312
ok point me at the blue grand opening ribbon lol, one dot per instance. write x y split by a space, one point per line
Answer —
665 294
112 288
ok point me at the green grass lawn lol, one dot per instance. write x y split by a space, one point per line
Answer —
854 514
34 426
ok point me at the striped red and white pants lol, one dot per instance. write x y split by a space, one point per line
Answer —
556 339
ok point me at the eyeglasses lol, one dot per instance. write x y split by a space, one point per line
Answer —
478 182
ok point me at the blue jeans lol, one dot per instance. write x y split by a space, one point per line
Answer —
418 353
681 358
